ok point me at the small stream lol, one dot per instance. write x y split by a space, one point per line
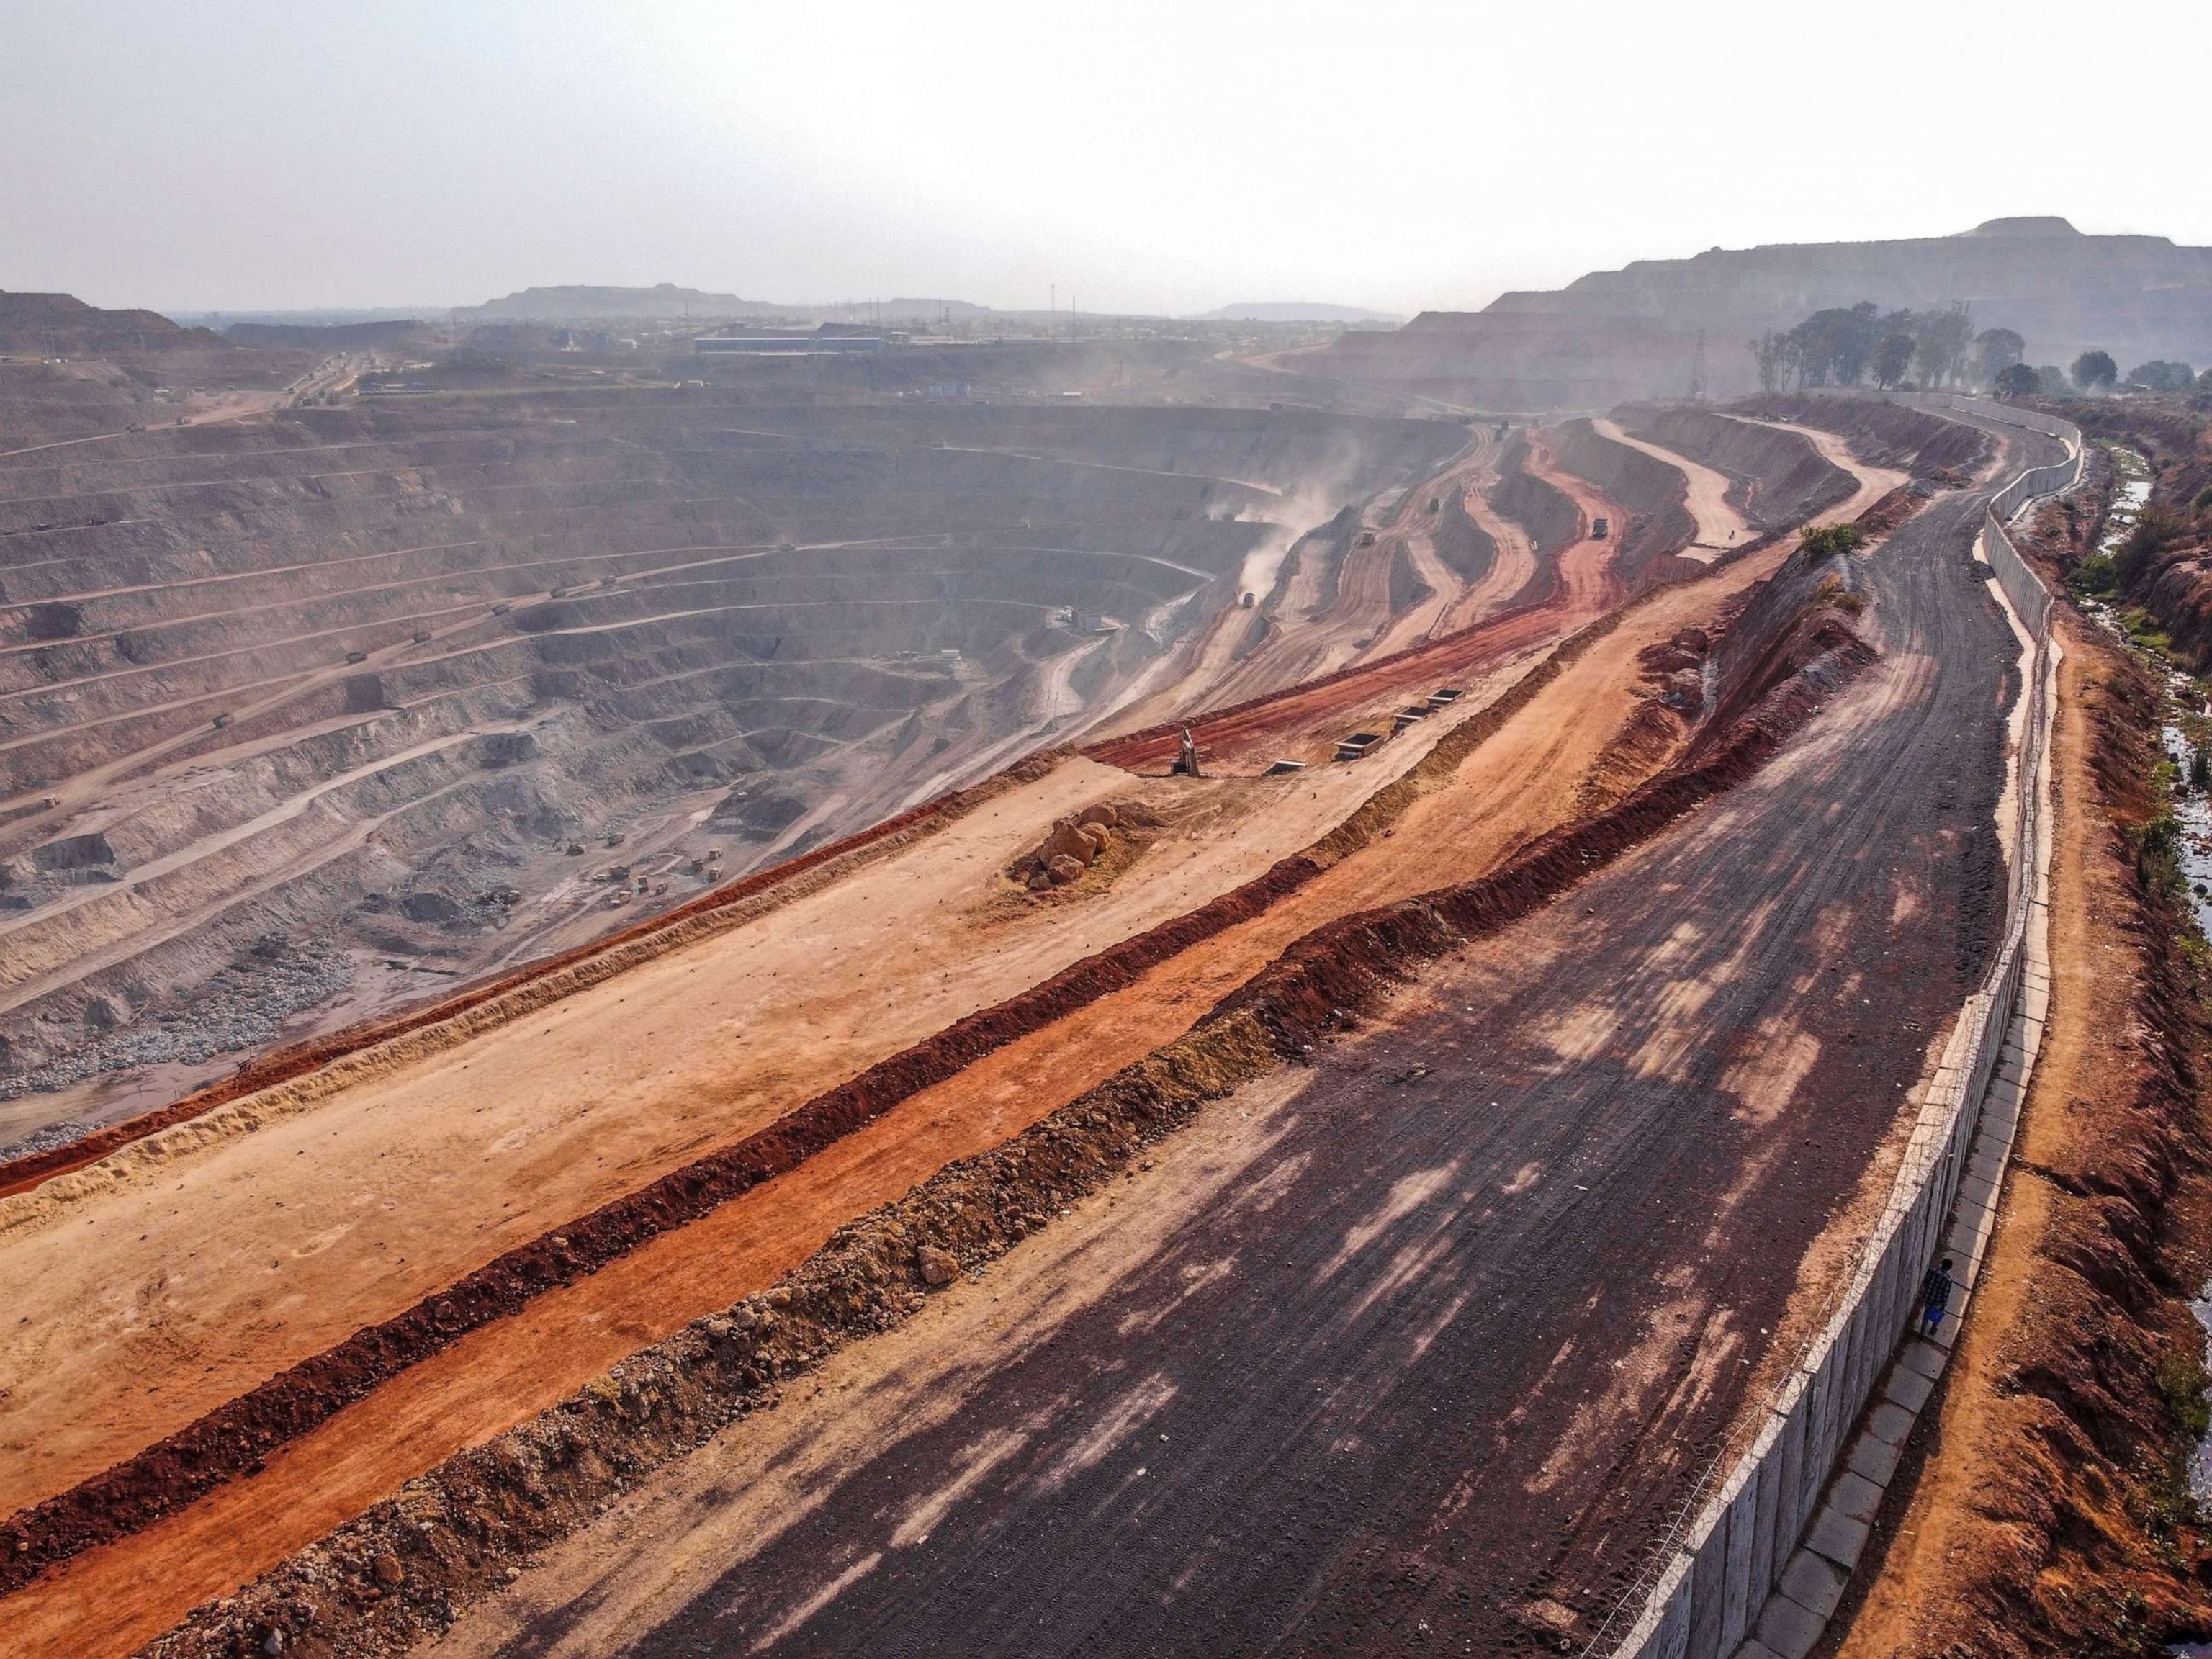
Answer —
2130 492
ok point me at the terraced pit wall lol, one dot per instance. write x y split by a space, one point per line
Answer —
1704 1593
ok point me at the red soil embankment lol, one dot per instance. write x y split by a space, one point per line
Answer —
1776 477
1654 494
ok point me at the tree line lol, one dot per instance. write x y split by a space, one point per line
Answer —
1852 345
1849 345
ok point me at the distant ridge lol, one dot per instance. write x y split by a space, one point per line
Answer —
573 302
1295 311
1650 328
61 325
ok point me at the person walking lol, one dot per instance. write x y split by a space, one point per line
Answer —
1935 1296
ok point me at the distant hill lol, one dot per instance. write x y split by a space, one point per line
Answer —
63 325
1295 311
1618 335
581 302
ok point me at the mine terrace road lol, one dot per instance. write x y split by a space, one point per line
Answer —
1373 1362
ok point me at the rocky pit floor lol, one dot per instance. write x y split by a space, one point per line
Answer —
186 1268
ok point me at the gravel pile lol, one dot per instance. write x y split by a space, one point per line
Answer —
242 1006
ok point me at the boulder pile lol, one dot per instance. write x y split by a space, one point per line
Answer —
1078 842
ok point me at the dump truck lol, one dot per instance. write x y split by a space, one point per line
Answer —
1598 527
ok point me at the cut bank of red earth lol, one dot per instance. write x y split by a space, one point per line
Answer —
1546 513
541 1481
1882 432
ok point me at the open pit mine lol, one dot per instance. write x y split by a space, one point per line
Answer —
1104 998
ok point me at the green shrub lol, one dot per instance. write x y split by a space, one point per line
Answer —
2158 859
1832 539
2096 576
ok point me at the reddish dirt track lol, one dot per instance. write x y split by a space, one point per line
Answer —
1311 628
1248 736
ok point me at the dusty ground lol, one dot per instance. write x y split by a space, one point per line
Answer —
1370 1363
604 1110
1524 779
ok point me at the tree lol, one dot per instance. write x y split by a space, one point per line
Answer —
2050 380
2159 376
1997 349
1853 333
1890 360
1944 337
1769 348
1810 352
2018 380
1836 344
2096 371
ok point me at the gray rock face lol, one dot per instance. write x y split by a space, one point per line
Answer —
797 628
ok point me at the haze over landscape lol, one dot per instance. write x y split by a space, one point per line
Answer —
251 156
981 832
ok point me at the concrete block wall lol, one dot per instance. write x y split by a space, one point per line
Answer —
1764 1562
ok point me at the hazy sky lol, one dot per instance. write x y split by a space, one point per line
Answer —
231 153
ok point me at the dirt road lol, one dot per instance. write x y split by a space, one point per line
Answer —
1720 527
1874 481
1417 1348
